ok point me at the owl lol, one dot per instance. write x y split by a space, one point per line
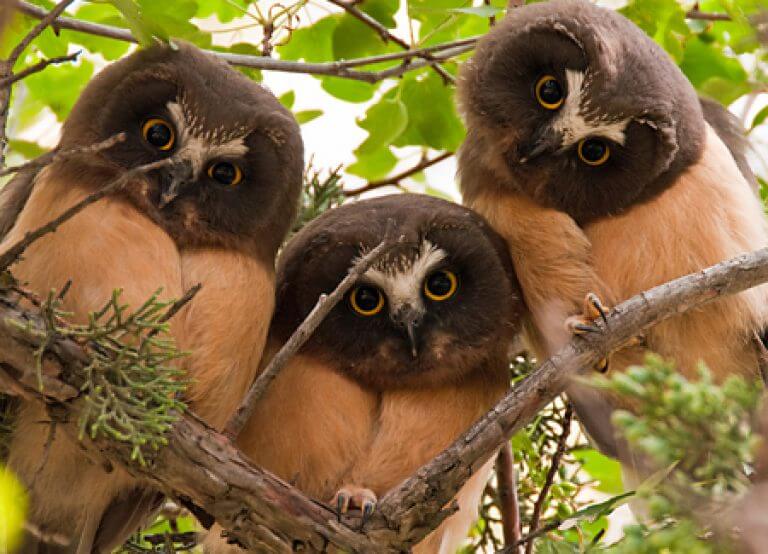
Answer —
416 352
215 215
591 154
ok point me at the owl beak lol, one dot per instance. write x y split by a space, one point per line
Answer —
177 177
409 318
543 141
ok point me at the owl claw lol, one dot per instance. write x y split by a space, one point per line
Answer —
585 322
351 496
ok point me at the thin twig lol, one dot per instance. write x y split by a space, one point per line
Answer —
395 179
47 20
507 490
56 155
387 36
176 307
706 16
334 69
550 479
39 66
323 307
14 252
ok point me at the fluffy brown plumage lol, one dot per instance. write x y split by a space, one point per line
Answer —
363 405
215 216
669 198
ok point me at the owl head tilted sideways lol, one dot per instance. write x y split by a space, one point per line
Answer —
576 107
236 150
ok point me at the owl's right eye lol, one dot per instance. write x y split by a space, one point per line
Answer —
549 92
158 133
366 300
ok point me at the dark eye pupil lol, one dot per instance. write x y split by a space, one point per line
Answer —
159 135
593 150
224 173
439 284
551 92
367 298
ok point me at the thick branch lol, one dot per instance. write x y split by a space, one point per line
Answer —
413 505
395 179
323 307
265 513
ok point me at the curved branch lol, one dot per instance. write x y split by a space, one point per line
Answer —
395 179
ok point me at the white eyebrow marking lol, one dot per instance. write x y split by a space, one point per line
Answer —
403 278
578 119
199 146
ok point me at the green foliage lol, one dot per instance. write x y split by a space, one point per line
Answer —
13 507
318 195
131 385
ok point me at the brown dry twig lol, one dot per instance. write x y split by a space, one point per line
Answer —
507 492
323 307
13 253
395 179
550 479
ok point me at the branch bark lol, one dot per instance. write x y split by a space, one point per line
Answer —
509 504
262 511
412 508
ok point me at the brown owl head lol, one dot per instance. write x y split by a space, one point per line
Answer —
441 305
236 153
576 107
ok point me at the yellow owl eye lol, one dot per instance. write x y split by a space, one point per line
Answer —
366 300
158 133
225 173
593 151
441 285
549 92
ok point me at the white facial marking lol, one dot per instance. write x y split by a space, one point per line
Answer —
402 281
578 119
199 147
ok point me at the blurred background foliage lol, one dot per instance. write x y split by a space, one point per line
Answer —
569 488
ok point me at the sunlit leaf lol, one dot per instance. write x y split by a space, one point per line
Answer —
306 116
384 122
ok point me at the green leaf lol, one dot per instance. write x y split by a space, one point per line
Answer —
224 10
759 118
306 116
106 14
288 99
594 511
374 166
26 148
58 87
313 43
347 89
142 29
432 117
712 72
662 20
382 11
481 11
354 39
602 468
384 122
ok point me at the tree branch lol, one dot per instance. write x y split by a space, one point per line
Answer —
412 508
323 307
335 69
395 179
695 13
263 512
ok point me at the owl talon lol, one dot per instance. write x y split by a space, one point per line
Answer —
350 496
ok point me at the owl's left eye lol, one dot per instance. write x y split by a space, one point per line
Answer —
549 92
593 151
441 285
158 133
225 173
